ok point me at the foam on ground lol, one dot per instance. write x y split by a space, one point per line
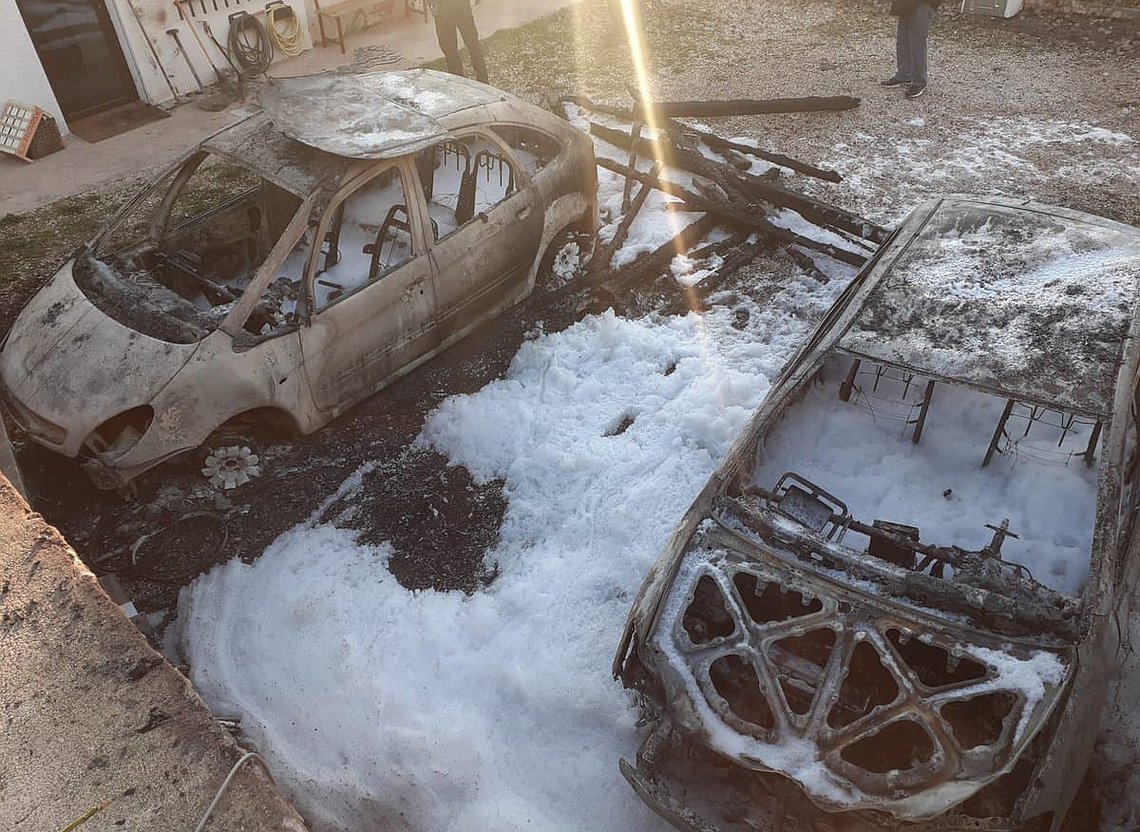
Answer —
381 708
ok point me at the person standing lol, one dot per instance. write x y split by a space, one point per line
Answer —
452 19
910 45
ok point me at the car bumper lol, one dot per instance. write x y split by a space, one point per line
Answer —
36 427
697 790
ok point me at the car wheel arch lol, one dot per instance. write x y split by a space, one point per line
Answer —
565 214
264 422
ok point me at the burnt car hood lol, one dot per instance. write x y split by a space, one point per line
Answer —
862 700
66 361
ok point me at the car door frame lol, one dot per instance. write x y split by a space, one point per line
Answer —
418 274
470 236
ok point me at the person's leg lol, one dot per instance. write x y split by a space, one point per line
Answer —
902 49
465 22
919 30
448 40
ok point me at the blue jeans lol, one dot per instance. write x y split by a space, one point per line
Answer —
910 43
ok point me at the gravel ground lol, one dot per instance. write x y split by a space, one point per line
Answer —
896 152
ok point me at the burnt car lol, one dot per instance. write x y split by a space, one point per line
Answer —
898 602
293 264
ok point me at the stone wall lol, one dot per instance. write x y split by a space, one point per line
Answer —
95 724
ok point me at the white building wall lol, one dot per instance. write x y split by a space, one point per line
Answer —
22 76
157 16
156 72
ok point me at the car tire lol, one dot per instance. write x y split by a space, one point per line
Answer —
565 259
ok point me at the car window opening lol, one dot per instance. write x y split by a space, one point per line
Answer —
370 237
175 276
462 180
886 461
532 148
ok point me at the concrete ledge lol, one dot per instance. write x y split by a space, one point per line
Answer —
91 715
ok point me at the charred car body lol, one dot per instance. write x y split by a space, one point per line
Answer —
897 603
295 263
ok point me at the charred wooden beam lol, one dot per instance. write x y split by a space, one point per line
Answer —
806 264
597 107
633 144
733 214
740 256
674 155
735 252
652 264
665 152
742 107
711 192
719 248
722 144
756 187
626 222
813 210
741 162
714 141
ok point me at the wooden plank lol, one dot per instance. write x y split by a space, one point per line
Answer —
716 142
650 265
719 143
743 107
734 215
627 220
756 187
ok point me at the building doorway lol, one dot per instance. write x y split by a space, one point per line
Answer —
80 53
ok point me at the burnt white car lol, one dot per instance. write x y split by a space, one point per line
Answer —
898 602
292 265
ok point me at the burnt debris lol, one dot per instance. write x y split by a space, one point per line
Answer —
724 189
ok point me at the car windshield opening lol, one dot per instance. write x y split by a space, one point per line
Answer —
878 457
176 263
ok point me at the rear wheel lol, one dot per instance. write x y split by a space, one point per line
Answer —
566 258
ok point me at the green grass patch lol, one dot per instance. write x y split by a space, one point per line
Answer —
33 245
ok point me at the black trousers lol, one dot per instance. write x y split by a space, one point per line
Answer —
452 19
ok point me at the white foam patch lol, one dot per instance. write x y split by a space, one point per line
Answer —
687 272
861 451
382 708
1029 676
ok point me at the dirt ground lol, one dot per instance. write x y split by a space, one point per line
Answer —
1009 111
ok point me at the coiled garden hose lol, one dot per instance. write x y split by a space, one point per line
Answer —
287 34
249 43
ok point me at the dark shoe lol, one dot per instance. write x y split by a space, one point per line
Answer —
915 90
894 81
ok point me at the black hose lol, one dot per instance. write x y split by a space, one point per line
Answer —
249 43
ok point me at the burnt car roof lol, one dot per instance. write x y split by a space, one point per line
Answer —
377 115
258 144
1028 300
